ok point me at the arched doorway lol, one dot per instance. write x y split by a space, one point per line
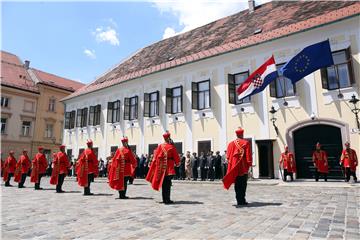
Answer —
305 139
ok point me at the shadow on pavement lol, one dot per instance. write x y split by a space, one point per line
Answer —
257 204
140 198
186 202
102 194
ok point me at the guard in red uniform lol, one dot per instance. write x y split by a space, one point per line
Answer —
9 168
61 165
122 168
240 160
162 167
349 161
87 168
320 161
287 160
22 168
39 165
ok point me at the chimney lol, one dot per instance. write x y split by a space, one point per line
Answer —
27 64
251 5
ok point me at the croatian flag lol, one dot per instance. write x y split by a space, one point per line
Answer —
258 80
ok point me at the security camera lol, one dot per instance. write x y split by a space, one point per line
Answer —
312 116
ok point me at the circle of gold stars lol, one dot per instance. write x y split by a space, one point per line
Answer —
302 63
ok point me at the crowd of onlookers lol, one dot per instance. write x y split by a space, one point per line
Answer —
207 166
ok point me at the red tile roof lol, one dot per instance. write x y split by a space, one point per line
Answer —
56 81
13 73
275 19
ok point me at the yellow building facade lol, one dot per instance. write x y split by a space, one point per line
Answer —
304 114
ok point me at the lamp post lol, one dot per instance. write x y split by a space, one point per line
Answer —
273 119
355 110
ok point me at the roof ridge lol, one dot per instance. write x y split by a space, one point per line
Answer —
54 75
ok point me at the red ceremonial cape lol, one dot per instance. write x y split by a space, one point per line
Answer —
82 170
34 177
55 172
158 168
5 172
17 173
239 155
349 159
116 175
320 160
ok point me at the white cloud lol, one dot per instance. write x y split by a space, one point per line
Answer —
107 34
196 13
90 53
169 32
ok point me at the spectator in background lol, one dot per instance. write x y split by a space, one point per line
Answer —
70 172
194 166
188 165
182 166
224 161
203 166
101 168
146 165
211 163
218 169
141 166
49 169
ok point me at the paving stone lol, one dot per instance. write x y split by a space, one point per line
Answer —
201 211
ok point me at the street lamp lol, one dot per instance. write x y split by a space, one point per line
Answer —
355 110
273 119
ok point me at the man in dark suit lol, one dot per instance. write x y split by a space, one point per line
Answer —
203 166
194 166
211 163
218 169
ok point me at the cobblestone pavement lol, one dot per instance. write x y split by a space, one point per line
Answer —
298 210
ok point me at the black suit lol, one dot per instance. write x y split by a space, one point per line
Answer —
203 167
218 169
194 167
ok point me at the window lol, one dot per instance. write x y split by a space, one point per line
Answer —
234 81
204 146
340 75
3 125
201 95
113 149
81 150
178 146
94 115
69 154
49 130
131 108
96 151
81 120
151 104
113 114
133 148
174 100
5 102
152 147
25 130
52 105
282 86
70 120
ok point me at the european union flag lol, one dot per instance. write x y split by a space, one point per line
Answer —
309 60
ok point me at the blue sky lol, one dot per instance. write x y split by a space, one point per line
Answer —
82 40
